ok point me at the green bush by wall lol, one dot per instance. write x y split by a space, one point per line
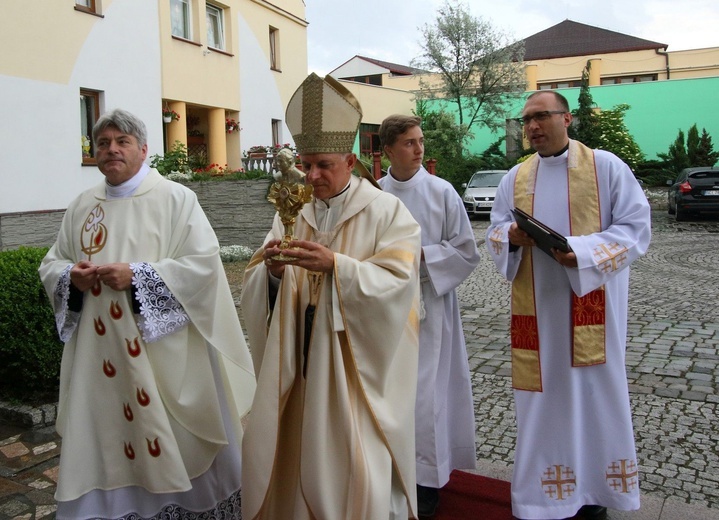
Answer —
30 350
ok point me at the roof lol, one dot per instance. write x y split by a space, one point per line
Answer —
394 68
569 38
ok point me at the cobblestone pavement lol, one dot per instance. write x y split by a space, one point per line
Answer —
672 365
672 360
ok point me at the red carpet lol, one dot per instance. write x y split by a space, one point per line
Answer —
473 497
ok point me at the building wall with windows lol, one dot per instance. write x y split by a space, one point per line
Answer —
667 92
53 51
273 53
623 67
207 61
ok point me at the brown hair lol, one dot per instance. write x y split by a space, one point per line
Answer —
395 125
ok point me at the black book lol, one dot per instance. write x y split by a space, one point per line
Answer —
545 237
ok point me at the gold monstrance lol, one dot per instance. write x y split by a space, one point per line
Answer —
288 195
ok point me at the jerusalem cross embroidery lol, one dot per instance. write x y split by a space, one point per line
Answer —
610 257
497 238
623 476
559 482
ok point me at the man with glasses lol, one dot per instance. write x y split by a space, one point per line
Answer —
575 446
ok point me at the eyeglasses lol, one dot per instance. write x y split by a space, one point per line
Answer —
540 116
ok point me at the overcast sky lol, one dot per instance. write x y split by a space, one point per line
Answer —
387 29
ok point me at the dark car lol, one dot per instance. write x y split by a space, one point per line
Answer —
480 191
696 190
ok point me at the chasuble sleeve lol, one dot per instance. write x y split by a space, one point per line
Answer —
506 258
452 258
626 228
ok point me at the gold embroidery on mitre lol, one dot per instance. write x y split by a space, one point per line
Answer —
559 482
323 116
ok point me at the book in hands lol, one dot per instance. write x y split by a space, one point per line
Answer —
545 237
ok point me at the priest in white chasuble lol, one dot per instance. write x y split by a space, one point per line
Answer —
155 375
575 443
334 336
444 412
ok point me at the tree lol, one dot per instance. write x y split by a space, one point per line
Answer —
676 158
585 127
478 68
443 137
692 145
700 149
615 137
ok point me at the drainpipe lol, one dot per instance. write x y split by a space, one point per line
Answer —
666 59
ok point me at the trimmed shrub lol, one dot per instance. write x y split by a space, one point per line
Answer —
30 350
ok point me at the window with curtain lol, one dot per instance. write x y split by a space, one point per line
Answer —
215 27
89 114
180 14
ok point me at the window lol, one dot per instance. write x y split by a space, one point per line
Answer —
180 13
86 5
274 48
559 84
89 114
369 139
215 27
628 79
276 132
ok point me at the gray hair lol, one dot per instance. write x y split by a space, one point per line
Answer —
125 122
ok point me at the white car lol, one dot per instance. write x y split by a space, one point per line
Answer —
480 191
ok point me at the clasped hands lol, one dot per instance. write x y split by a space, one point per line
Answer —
520 238
84 275
309 255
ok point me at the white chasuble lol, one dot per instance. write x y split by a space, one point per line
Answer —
336 442
444 412
575 442
137 414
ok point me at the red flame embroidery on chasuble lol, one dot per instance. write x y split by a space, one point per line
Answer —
153 447
128 412
133 348
100 327
142 398
129 451
109 368
115 310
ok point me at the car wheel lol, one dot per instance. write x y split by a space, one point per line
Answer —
670 209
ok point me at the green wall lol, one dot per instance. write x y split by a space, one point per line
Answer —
658 110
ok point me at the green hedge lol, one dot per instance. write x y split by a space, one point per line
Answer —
30 350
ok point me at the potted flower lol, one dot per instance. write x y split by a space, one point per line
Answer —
257 151
85 141
231 125
169 116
